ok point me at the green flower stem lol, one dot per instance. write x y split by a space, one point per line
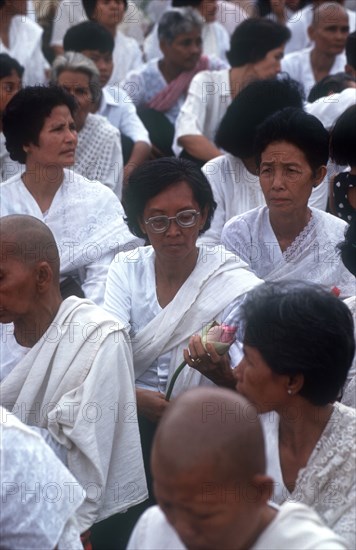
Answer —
174 378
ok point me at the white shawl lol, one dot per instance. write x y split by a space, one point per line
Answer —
77 381
218 279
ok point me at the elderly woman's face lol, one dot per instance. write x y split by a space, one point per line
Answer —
176 243
286 178
57 140
185 50
259 384
77 84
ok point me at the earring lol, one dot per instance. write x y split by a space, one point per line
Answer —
290 392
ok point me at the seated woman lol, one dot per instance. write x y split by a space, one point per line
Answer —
342 151
85 216
167 291
256 50
287 239
99 153
233 176
298 347
159 88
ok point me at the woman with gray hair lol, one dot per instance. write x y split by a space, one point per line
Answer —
159 88
99 153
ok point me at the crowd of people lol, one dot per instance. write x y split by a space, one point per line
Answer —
178 274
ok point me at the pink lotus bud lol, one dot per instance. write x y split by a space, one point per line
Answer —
220 336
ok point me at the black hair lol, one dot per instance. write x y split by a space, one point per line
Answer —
301 129
25 114
300 328
154 176
330 84
343 138
347 247
88 35
90 5
350 50
9 64
253 39
237 130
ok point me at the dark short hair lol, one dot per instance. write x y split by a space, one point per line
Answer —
253 39
237 130
350 49
9 64
300 328
24 116
90 5
301 129
88 35
347 247
330 84
153 177
343 138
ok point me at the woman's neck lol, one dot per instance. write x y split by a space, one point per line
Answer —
171 275
43 182
240 77
288 226
170 72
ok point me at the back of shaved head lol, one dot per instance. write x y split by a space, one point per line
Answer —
210 427
28 240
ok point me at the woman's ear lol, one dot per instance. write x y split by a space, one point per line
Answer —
295 383
319 175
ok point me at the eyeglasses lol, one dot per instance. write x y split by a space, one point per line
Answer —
186 218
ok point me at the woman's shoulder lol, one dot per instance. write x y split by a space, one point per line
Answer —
77 186
251 218
134 260
333 223
99 123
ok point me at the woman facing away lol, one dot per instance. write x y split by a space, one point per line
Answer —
287 239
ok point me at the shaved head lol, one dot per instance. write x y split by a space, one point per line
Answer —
327 11
28 240
210 427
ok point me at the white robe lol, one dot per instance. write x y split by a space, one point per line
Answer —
38 506
213 291
77 381
87 223
311 257
295 527
328 481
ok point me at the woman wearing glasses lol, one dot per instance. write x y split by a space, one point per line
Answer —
169 290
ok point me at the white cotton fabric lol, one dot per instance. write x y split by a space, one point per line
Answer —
87 221
298 66
328 109
25 45
208 98
98 154
127 56
78 382
142 85
213 291
295 527
8 167
216 42
121 113
328 481
311 257
39 495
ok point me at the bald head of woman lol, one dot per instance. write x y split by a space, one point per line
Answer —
28 240
213 427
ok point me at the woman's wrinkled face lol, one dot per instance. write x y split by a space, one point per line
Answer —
185 50
57 140
286 178
176 243
76 83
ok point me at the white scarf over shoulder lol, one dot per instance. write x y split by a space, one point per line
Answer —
77 381
218 279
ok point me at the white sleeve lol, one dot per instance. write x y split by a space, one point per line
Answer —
130 123
191 119
212 170
134 87
117 299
